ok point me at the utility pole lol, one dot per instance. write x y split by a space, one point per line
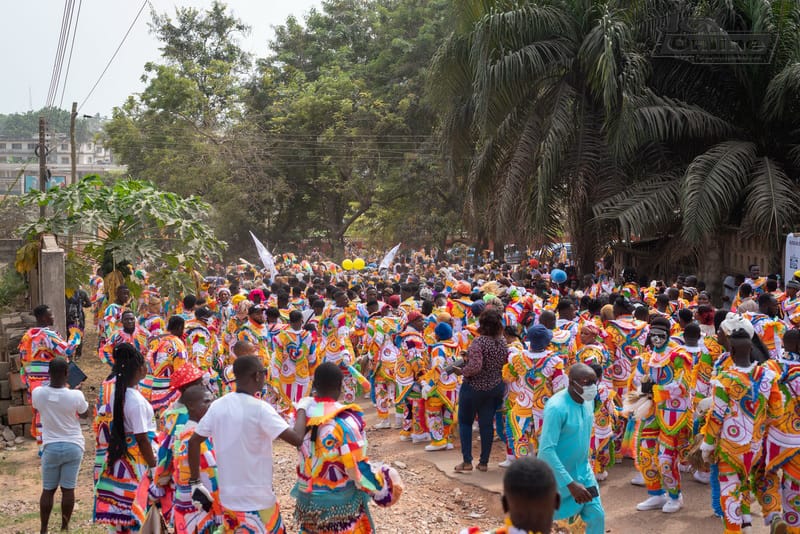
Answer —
42 162
73 163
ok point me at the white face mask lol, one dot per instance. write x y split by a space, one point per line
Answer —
589 393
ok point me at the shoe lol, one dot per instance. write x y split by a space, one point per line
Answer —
385 423
431 448
684 468
601 476
778 526
747 530
654 502
405 437
505 463
703 477
450 446
638 480
672 505
420 438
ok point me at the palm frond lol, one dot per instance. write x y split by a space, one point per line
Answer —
713 185
646 206
772 200
782 91
601 56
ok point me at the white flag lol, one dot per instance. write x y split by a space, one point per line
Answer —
387 260
266 257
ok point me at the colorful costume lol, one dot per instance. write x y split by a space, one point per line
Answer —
383 354
202 348
670 372
412 363
167 355
293 363
439 391
137 338
37 348
606 412
519 402
545 377
770 330
335 479
187 518
744 400
777 480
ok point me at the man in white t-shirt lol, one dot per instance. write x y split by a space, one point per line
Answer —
242 429
62 440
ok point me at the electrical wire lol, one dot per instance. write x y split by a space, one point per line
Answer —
71 48
114 55
66 18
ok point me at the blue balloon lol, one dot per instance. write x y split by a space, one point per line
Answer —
558 276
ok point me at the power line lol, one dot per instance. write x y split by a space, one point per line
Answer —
71 48
66 18
114 55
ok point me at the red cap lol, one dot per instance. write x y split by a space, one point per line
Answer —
413 316
186 374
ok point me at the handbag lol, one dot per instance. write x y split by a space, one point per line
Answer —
154 522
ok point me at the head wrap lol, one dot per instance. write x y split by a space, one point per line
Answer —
734 321
464 287
412 316
539 337
443 331
394 301
236 299
477 307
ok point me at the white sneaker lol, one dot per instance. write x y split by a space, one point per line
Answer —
638 480
420 438
654 502
672 505
702 477
601 476
432 448
450 446
684 468
747 530
385 423
403 437
505 463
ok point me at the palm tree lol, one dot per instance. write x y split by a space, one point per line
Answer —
736 158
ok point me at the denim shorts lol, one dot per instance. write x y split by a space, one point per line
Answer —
60 464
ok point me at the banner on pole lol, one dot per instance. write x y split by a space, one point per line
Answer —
792 256
266 257
387 260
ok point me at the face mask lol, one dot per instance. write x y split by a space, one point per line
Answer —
589 393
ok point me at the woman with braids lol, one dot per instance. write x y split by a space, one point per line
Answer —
125 426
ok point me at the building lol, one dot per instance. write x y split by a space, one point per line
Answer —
19 164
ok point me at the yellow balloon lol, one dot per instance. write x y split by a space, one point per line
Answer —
359 264
347 264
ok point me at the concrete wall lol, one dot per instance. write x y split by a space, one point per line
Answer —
51 281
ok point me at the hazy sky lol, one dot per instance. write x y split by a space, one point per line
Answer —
29 33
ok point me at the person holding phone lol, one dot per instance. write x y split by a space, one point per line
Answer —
565 446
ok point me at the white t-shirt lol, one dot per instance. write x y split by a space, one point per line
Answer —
139 416
59 409
242 429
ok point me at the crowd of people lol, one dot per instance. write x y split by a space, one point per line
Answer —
577 371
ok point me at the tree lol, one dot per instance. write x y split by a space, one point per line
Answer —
528 92
730 134
127 225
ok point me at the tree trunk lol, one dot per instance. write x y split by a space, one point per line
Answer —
711 260
499 251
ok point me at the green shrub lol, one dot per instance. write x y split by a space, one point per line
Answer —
12 285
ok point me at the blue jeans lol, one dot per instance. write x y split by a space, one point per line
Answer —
60 464
484 404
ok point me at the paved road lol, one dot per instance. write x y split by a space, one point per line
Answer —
619 496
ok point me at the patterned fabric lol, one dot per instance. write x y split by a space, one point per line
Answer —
257 335
606 413
744 400
518 402
167 355
255 522
545 378
138 338
770 330
335 478
37 348
439 389
201 346
111 321
625 341
293 363
187 517
153 324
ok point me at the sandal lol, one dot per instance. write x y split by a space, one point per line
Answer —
463 468
483 467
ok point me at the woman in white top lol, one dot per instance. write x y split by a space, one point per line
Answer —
130 455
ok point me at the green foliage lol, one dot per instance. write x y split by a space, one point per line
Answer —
129 222
26 125
330 129
12 285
